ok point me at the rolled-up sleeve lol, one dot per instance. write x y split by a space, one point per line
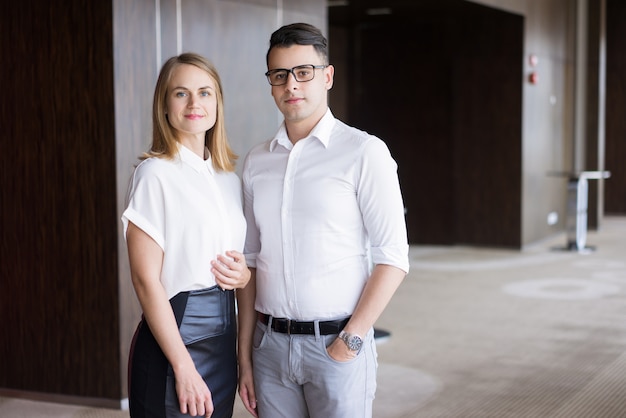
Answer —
145 205
382 206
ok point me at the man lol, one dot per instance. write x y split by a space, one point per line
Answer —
323 203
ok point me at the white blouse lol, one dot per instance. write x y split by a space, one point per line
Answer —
191 211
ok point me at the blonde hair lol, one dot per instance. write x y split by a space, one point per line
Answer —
164 141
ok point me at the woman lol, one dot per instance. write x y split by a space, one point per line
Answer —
184 227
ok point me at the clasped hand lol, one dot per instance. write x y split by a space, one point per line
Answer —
231 271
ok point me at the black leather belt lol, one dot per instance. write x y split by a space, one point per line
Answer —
290 326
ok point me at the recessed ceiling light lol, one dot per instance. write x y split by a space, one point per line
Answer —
379 11
334 3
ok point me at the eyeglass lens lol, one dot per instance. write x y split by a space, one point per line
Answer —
300 73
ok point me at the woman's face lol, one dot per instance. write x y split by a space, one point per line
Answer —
191 102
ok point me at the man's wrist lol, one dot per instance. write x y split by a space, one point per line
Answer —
354 342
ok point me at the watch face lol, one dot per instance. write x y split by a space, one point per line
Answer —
354 343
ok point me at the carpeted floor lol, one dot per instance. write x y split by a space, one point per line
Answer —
537 333
491 333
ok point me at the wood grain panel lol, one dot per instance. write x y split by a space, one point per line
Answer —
405 100
615 187
59 252
440 83
487 119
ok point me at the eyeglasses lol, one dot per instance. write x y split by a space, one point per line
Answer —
301 73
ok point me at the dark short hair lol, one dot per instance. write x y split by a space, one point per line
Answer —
299 34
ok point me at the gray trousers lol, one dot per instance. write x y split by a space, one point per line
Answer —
294 377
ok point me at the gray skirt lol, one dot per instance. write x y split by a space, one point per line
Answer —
207 325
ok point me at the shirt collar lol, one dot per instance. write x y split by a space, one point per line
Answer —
321 131
189 157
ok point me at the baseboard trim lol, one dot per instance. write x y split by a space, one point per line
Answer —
66 399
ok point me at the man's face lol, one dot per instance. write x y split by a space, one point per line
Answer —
301 101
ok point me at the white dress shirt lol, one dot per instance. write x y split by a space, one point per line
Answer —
319 213
191 211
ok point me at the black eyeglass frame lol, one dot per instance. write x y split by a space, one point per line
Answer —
297 67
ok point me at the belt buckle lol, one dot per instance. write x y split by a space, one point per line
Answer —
288 326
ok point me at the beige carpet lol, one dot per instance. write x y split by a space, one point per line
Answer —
537 333
488 333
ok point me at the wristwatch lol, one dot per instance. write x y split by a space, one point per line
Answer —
354 342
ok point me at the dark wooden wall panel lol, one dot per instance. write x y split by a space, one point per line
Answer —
439 82
404 99
487 120
58 261
615 187
593 140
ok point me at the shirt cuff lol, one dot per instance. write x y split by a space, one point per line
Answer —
396 256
